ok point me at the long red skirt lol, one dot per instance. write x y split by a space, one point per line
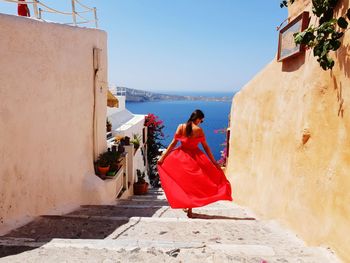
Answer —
189 179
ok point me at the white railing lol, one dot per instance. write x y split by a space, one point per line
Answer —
40 8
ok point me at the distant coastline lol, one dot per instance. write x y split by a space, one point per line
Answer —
134 95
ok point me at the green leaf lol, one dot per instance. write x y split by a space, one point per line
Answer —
330 63
318 7
284 3
318 50
327 16
308 38
327 27
335 44
320 36
298 37
326 48
337 35
342 22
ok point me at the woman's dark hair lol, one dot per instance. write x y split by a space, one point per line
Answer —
197 114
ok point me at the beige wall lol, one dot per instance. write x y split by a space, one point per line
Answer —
274 169
46 119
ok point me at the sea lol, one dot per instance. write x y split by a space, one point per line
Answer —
172 113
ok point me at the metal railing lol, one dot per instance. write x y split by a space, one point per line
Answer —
40 8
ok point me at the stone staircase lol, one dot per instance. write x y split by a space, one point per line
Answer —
146 229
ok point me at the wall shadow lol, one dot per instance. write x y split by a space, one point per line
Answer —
293 63
204 216
340 99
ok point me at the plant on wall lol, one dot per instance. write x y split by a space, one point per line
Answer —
285 3
327 35
154 137
223 152
136 140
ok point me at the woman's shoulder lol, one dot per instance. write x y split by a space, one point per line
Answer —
180 128
181 125
198 131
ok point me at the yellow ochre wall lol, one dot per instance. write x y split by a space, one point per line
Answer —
289 153
46 119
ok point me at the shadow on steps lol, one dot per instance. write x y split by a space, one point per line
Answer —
204 216
88 222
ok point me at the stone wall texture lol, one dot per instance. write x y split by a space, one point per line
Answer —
290 144
47 134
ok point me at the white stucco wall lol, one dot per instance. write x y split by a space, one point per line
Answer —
125 123
46 119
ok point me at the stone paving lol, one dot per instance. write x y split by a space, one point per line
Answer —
146 229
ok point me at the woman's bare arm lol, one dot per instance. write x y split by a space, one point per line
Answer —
209 153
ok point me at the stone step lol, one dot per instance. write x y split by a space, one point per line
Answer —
153 190
132 250
145 228
145 201
152 202
121 210
147 197
221 231
131 210
149 228
209 213
47 227
244 239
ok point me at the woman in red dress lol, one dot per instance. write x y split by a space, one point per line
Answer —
189 177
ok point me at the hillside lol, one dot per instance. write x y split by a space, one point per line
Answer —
133 95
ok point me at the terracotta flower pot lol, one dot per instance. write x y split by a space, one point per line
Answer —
103 170
140 188
145 188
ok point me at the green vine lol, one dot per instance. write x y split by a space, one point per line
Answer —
285 3
327 35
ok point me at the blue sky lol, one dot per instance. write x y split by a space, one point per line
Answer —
183 45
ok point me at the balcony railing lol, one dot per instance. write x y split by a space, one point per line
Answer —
40 8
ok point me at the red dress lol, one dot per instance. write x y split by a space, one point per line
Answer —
189 179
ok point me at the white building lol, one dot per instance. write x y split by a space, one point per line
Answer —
125 123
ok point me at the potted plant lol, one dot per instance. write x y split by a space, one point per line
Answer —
119 138
141 186
121 148
108 125
127 140
108 163
136 141
113 157
103 164
120 142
